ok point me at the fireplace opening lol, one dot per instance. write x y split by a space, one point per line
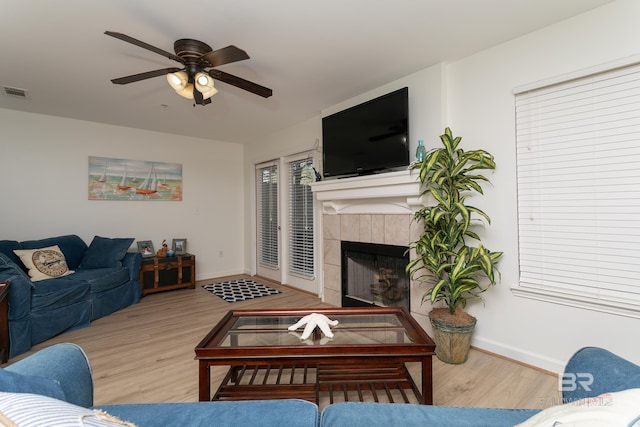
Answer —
374 274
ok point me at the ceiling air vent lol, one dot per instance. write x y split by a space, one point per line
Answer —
15 92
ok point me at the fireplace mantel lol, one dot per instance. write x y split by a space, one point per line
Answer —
386 193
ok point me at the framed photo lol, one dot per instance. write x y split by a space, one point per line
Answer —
145 247
179 246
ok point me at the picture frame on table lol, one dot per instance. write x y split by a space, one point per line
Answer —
145 247
179 246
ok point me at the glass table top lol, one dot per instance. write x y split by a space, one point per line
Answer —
269 331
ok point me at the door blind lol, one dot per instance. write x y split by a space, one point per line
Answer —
578 163
267 215
301 240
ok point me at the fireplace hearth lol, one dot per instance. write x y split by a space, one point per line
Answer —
374 274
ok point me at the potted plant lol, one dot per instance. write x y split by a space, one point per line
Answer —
445 260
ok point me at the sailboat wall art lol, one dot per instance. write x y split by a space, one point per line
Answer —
121 179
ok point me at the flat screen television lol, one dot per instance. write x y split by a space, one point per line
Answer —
368 138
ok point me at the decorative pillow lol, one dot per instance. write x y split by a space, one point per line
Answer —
621 408
44 263
33 410
105 253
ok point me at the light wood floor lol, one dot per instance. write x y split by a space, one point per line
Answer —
145 353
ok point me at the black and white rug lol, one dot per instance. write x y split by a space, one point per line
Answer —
240 290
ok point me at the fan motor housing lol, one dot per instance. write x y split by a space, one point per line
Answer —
189 48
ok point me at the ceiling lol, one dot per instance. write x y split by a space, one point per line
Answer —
313 54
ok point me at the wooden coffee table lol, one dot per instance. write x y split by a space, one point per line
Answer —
365 360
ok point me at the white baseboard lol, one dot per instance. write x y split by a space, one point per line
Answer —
220 273
535 360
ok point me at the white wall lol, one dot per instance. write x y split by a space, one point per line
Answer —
426 109
43 182
474 97
481 110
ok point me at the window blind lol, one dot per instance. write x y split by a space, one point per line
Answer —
301 241
578 165
267 215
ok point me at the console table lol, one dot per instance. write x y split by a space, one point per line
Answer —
167 273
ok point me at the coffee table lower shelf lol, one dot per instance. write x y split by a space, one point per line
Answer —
390 383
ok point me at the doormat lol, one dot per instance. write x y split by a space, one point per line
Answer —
240 290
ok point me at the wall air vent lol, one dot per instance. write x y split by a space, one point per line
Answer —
15 92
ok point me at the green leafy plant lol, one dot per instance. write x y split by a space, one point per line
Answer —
444 260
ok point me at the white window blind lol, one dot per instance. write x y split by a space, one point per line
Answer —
578 162
301 253
267 189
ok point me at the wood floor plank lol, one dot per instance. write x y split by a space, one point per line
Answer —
145 353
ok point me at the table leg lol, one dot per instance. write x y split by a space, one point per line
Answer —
427 381
205 381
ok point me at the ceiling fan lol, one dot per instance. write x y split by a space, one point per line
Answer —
195 79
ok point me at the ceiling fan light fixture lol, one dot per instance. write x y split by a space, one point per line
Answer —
204 84
202 79
178 81
186 91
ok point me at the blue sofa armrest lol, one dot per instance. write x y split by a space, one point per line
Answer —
133 261
592 371
20 290
67 365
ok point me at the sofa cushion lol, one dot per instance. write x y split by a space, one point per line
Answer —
102 279
14 382
104 252
44 263
33 410
358 414
72 246
60 292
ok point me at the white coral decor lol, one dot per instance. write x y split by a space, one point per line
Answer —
312 321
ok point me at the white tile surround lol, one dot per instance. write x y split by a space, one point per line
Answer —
368 209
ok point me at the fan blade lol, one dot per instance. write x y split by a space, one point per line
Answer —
142 76
225 55
144 45
241 83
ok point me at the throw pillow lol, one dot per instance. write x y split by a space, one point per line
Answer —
104 252
31 410
44 263
607 410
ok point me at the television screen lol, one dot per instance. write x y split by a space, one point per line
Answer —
369 138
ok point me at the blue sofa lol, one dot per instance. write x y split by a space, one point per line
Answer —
57 381
105 280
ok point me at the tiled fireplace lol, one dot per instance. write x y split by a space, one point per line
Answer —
374 209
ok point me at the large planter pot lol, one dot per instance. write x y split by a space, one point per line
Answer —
453 339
